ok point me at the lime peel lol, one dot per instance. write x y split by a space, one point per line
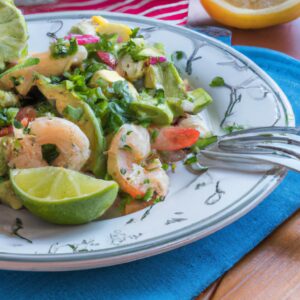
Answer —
76 198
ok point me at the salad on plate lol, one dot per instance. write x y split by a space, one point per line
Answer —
95 123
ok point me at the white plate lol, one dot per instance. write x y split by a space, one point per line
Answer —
195 206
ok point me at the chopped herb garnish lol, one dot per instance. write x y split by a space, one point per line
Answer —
49 152
69 84
73 113
154 135
147 181
129 132
217 81
135 33
191 160
148 195
165 166
233 127
202 143
17 80
178 55
17 124
7 116
123 171
63 48
26 130
173 167
158 199
55 79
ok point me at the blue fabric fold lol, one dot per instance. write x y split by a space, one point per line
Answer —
185 272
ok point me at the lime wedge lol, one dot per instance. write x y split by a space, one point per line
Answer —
13 33
63 196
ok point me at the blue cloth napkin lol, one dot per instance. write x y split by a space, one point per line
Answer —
185 272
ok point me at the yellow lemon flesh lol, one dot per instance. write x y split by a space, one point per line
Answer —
251 14
104 26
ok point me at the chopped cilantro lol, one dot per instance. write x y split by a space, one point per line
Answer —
154 135
173 167
135 33
17 124
45 108
191 160
73 113
17 80
49 152
147 181
55 79
233 127
7 116
217 81
26 130
165 166
63 48
148 195
202 143
178 55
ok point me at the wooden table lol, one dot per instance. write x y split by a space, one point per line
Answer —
272 270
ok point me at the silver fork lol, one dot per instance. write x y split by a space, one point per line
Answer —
253 150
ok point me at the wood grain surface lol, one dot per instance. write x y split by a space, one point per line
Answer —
272 270
269 272
284 38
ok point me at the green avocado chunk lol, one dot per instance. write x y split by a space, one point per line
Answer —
69 105
149 110
200 99
8 196
165 76
3 156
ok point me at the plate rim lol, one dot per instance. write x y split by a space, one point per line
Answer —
76 261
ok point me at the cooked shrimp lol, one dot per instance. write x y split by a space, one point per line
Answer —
48 66
71 142
174 138
196 122
127 163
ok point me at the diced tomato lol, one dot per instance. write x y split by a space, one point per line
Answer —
175 138
107 58
28 113
6 131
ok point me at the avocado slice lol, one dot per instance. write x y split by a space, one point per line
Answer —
111 77
165 76
200 99
149 110
64 101
8 196
3 155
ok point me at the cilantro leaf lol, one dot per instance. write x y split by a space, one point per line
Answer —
63 48
217 81
74 113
